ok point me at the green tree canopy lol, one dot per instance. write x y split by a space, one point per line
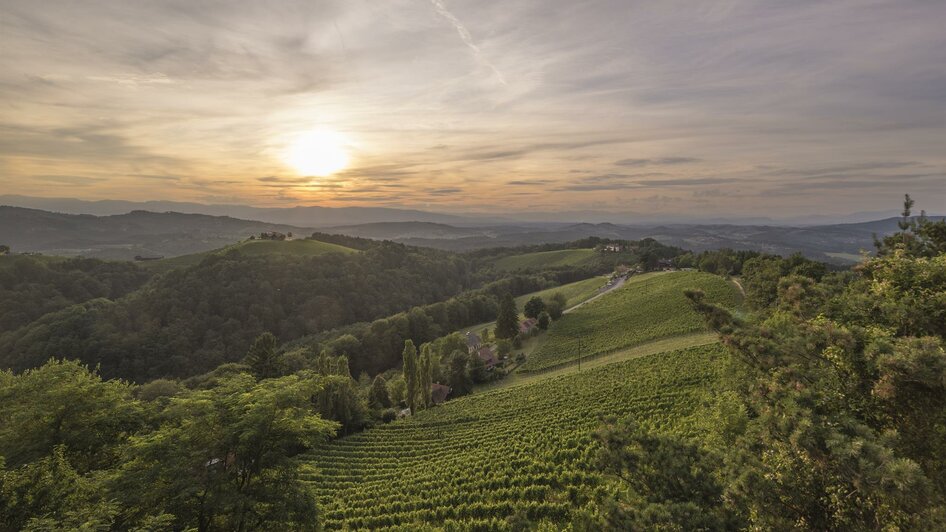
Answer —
507 322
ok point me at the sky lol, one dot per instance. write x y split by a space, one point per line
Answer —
735 108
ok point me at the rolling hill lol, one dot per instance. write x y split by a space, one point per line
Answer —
546 259
300 248
125 236
648 307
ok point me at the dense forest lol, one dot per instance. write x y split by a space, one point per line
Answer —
31 286
192 319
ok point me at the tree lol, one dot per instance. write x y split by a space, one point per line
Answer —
760 278
458 376
378 396
222 458
409 357
666 483
262 358
503 347
848 372
4 249
397 390
507 322
425 376
556 307
476 369
544 320
64 403
534 307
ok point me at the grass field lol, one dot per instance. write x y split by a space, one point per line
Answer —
575 292
477 460
305 248
646 308
545 259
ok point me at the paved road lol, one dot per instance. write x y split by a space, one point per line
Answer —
615 286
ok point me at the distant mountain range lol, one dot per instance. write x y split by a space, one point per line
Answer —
839 243
126 235
298 216
316 216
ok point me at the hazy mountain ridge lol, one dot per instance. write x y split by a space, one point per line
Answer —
323 217
124 236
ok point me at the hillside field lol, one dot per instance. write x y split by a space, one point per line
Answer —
574 293
648 307
546 259
301 247
477 460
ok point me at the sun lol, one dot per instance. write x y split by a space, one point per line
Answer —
319 152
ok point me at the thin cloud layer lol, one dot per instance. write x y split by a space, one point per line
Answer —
755 107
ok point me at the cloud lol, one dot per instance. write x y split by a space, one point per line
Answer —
74 180
663 161
467 39
530 182
275 179
598 98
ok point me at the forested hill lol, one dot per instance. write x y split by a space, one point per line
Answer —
192 319
126 235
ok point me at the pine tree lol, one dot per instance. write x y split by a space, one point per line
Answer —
410 373
262 358
507 323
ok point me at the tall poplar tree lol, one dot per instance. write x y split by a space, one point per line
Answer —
410 373
425 377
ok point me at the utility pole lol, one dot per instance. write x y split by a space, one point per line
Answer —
579 354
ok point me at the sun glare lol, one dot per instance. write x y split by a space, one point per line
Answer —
319 152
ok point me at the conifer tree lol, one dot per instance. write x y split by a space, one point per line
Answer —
262 358
507 323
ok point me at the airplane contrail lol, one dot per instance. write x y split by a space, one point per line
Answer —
467 38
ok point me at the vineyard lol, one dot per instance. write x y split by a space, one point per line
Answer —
475 461
546 259
644 309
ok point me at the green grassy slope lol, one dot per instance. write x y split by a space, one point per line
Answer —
645 308
252 247
575 292
479 459
546 259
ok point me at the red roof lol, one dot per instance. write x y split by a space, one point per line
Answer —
439 393
486 355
